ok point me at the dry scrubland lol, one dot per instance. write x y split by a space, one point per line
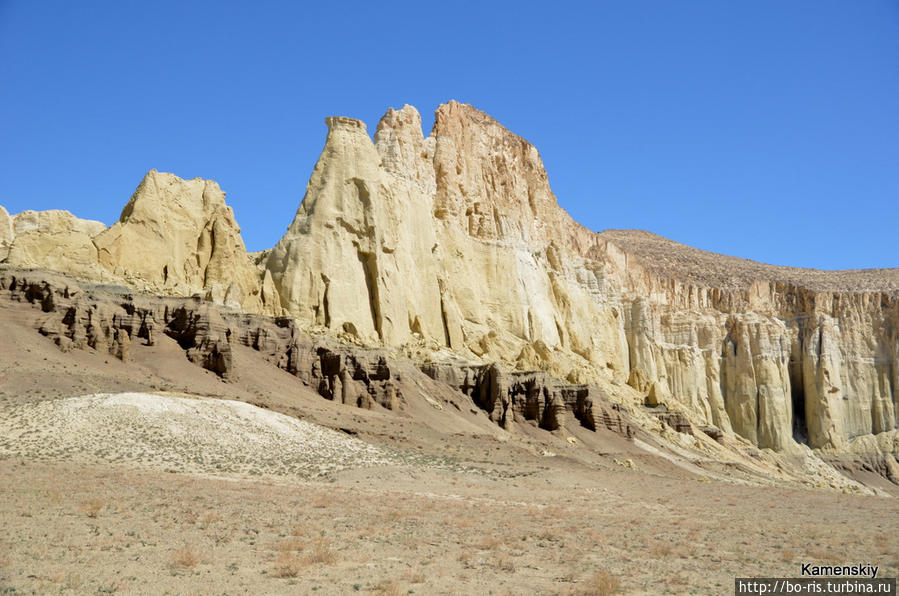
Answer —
154 495
394 522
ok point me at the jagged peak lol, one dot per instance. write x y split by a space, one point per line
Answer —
405 118
453 116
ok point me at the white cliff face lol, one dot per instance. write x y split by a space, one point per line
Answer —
338 265
7 232
786 361
442 240
174 237
54 239
456 241
178 236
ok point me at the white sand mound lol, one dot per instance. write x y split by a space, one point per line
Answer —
180 434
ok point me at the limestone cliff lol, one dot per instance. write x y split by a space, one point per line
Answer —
180 235
456 242
174 236
53 239
778 353
7 232
453 246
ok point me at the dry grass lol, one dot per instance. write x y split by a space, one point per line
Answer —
290 545
601 583
661 550
321 551
489 543
209 519
185 557
252 549
504 563
91 507
415 577
391 588
883 543
287 564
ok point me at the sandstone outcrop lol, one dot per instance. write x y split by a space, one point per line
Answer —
453 246
109 319
179 236
53 239
510 396
7 232
174 237
456 241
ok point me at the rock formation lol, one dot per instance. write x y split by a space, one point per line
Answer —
7 232
457 241
53 239
181 236
175 237
103 318
454 247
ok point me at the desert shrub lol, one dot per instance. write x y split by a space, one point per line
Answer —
287 564
601 583
185 558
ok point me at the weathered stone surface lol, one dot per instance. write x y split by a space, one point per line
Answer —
535 397
453 246
108 320
54 221
53 239
179 237
406 220
458 243
7 232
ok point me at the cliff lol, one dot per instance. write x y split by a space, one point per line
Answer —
454 246
459 243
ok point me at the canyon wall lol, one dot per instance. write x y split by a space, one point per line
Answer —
453 245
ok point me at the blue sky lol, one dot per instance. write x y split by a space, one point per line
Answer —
758 128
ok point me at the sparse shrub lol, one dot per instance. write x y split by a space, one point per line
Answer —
287 564
185 558
321 551
391 588
505 564
415 577
92 507
489 543
601 583
660 549
209 519
291 545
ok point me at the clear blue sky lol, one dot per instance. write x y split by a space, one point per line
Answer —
766 129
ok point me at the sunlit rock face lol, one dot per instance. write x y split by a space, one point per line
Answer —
179 236
453 245
174 236
456 239
52 239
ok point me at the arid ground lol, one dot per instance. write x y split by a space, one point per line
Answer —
166 491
